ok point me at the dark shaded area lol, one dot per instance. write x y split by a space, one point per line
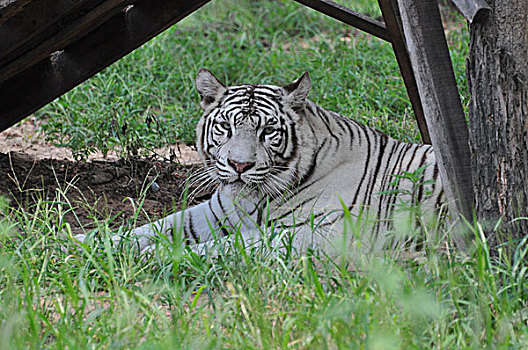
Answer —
96 191
66 47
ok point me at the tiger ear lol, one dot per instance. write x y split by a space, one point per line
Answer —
209 87
298 90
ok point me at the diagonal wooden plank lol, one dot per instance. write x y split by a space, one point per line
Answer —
9 8
348 16
69 33
391 15
42 82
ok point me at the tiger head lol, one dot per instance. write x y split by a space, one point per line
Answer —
251 134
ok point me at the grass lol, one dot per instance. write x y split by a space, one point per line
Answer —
56 294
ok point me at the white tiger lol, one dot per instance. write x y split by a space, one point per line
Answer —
279 160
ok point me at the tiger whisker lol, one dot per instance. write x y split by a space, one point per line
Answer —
198 180
205 178
275 188
204 186
265 189
203 168
206 171
281 184
276 169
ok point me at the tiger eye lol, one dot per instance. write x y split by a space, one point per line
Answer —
268 130
225 125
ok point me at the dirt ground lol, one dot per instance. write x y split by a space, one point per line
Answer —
33 171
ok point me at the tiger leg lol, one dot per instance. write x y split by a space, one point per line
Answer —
193 224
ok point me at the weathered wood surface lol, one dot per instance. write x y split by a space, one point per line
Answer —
38 83
346 15
9 8
67 28
38 21
391 15
473 10
443 111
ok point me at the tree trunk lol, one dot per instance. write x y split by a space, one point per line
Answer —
498 115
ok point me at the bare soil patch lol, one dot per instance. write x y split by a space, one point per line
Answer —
96 190
27 137
101 189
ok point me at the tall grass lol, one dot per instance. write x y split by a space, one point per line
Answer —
58 294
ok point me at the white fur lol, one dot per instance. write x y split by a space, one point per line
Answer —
351 162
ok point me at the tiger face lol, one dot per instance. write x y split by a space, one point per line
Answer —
249 134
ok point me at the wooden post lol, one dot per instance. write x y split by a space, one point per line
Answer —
391 15
474 10
443 111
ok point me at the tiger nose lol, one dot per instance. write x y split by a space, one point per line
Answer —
240 167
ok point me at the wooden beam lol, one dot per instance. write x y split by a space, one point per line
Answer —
443 111
473 10
10 8
38 21
391 15
346 15
69 33
39 84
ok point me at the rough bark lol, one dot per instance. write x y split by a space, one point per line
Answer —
498 115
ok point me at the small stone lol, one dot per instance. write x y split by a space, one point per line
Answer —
155 187
102 178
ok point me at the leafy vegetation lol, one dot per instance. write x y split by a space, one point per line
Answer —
57 294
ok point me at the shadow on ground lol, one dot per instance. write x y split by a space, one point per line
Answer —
96 190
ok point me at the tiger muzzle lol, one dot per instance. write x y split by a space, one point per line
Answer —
240 167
